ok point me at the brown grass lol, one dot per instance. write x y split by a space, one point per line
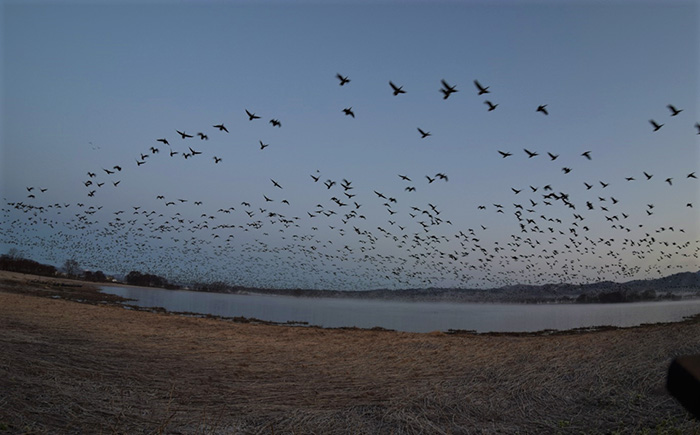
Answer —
96 367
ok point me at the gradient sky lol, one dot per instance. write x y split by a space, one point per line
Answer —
93 85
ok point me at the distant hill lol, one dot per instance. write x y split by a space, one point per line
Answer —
684 284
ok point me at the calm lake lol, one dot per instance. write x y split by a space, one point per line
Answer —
411 316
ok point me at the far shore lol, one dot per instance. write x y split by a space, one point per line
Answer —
73 360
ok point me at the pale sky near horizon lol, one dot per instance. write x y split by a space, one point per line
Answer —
88 86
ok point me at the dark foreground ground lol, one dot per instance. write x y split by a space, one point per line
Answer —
95 367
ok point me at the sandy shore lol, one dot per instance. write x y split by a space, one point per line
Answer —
95 367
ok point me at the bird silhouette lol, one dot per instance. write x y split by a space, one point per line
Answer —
674 111
275 123
542 108
397 89
447 90
482 90
423 134
504 154
492 106
183 134
203 136
251 116
221 127
530 154
343 80
194 153
656 125
263 145
587 155
348 112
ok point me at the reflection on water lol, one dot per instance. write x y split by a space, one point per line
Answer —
411 316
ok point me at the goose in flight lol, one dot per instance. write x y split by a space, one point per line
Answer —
405 178
673 110
276 184
504 154
397 89
530 154
221 127
492 106
655 124
447 90
251 116
194 153
423 134
587 155
482 90
183 134
348 112
276 123
203 136
553 156
217 159
542 108
165 141
343 80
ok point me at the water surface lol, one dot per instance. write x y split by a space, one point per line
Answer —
411 316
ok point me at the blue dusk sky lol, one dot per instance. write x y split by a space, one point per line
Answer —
90 87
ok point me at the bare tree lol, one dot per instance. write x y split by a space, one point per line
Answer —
71 267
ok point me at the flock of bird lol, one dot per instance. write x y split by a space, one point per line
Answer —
354 238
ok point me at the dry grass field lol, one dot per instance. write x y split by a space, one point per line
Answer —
74 361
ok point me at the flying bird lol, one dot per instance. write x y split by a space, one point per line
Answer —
492 106
504 154
397 89
447 90
423 134
673 110
251 116
343 80
221 127
263 145
542 108
552 156
348 112
587 155
482 90
183 134
203 136
194 153
656 125
275 123
530 154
